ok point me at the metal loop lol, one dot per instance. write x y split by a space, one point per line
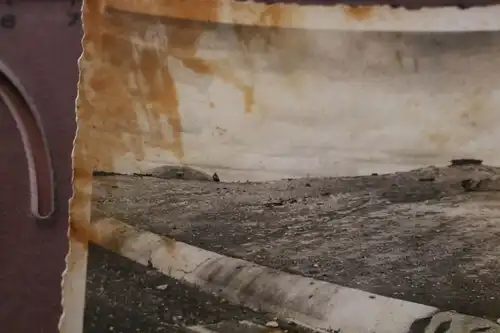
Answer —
40 172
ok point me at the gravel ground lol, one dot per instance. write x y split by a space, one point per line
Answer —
414 235
125 297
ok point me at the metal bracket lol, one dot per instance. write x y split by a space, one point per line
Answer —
40 172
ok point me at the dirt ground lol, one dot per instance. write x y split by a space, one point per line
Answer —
416 235
126 297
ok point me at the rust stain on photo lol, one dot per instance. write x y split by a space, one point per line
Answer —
183 40
79 213
440 140
359 13
204 10
115 55
249 98
273 15
128 74
113 58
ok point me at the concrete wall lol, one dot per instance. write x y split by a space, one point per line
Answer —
257 102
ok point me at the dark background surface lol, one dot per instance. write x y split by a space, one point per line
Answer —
41 48
124 296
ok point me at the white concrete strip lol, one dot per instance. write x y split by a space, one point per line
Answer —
243 326
199 329
314 303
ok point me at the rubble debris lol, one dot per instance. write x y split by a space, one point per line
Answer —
466 161
178 172
215 177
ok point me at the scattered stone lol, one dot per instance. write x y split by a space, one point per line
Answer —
272 324
487 184
466 161
140 174
215 177
177 172
99 173
427 179
274 203
471 184
162 287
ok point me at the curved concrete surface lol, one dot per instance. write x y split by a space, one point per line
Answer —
260 103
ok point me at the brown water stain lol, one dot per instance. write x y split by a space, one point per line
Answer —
202 11
92 81
247 90
153 98
205 10
170 245
122 52
249 98
105 107
106 232
128 98
440 140
113 236
79 212
78 232
183 40
399 58
182 44
475 112
272 15
359 13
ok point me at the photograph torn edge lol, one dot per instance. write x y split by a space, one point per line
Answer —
73 282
